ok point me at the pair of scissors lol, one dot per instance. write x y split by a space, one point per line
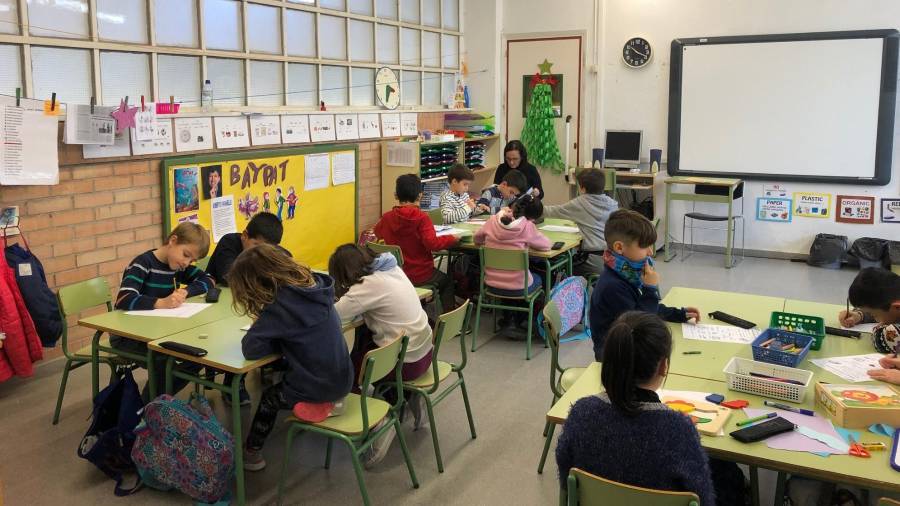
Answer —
856 450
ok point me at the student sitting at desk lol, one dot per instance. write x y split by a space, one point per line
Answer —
589 211
516 158
293 315
374 287
629 281
875 295
151 281
497 196
456 204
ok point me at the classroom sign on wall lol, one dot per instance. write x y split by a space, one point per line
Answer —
890 210
774 209
812 205
855 209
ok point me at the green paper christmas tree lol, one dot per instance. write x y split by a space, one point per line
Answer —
539 133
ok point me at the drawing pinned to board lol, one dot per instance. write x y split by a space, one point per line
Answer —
812 205
295 129
279 202
231 132
265 130
774 209
890 210
211 176
368 126
291 202
390 125
321 127
248 205
347 127
186 192
193 134
855 209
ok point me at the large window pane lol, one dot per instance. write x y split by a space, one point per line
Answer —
266 83
431 84
387 44
66 72
338 5
10 69
410 88
450 17
409 11
448 87
334 85
122 20
410 47
362 41
222 25
332 38
363 7
308 2
227 78
9 16
386 9
67 19
363 90
180 76
302 85
264 29
450 51
431 12
176 23
124 74
300 33
431 49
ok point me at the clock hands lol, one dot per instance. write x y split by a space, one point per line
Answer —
638 52
388 89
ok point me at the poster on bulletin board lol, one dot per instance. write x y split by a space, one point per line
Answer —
774 209
890 210
812 205
223 192
855 209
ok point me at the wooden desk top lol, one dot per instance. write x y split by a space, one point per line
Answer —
569 240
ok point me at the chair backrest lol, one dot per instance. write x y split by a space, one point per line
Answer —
505 260
84 295
448 326
710 189
387 248
436 217
586 489
377 364
552 323
609 180
203 263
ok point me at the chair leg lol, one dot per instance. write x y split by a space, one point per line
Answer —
547 426
477 327
550 428
465 396
285 462
328 453
62 391
434 437
406 457
357 468
530 324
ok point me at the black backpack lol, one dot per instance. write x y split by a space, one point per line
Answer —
39 299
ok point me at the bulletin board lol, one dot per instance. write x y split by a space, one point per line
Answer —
324 213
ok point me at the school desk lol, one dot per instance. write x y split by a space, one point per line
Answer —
873 473
728 200
832 346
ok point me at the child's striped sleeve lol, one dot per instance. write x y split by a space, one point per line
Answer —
197 280
130 297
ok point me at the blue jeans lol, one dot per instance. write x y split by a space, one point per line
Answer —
535 284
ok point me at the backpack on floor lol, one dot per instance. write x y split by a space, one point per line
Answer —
570 296
184 448
108 441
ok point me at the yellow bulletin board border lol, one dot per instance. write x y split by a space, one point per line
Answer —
171 218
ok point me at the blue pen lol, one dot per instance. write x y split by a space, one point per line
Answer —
807 412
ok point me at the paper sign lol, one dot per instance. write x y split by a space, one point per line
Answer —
853 209
145 123
185 310
853 368
409 123
316 171
162 143
265 130
368 126
343 168
84 127
193 134
721 333
231 132
223 221
120 147
390 125
775 190
890 212
774 209
294 129
321 128
28 151
812 205
346 127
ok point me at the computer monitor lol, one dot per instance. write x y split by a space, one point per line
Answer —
623 148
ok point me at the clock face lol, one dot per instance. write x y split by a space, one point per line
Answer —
637 52
387 88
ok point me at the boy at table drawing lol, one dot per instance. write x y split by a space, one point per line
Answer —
456 204
497 196
152 279
589 211
628 281
875 295
293 315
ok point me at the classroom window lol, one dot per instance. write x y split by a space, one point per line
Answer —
222 19
431 49
410 88
409 11
387 44
362 33
227 78
334 85
363 7
263 29
410 47
431 13
122 20
10 69
338 5
175 22
66 72
449 51
124 74
9 16
179 77
332 38
450 15
67 19
431 86
303 85
362 92
300 33
386 9
266 83
448 87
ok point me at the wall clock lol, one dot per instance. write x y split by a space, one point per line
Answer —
387 88
637 52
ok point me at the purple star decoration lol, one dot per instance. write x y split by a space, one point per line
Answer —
124 116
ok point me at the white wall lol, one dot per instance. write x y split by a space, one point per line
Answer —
482 23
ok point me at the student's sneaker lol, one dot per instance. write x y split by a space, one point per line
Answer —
418 409
253 460
380 447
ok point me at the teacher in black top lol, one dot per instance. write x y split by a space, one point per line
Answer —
515 157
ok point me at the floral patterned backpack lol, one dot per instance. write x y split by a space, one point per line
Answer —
570 296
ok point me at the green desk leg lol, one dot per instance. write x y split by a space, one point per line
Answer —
779 489
548 283
238 437
668 254
95 364
151 375
754 486
730 232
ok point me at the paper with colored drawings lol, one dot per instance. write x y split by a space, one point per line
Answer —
795 441
687 395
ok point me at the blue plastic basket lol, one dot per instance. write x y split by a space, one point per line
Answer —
779 357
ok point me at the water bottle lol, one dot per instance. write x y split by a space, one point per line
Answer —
206 96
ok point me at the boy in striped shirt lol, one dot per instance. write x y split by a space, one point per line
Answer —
456 204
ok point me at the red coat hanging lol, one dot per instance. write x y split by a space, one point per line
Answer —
22 346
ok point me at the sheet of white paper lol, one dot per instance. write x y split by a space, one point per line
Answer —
451 231
161 144
721 333
403 154
223 221
231 132
343 168
316 171
346 127
246 327
121 147
390 125
863 327
28 147
560 228
409 123
265 130
295 129
368 126
84 127
852 368
193 134
321 127
185 310
145 123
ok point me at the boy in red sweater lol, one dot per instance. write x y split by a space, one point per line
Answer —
410 228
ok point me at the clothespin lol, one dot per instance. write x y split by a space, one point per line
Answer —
172 100
53 101
142 103
93 102
18 96
322 105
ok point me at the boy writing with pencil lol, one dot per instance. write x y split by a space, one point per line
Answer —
875 296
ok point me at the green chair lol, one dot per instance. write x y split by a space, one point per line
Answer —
586 489
356 427
505 260
560 379
380 248
203 263
448 326
436 217
72 300
609 182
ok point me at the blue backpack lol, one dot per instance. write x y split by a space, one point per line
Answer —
39 299
570 296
